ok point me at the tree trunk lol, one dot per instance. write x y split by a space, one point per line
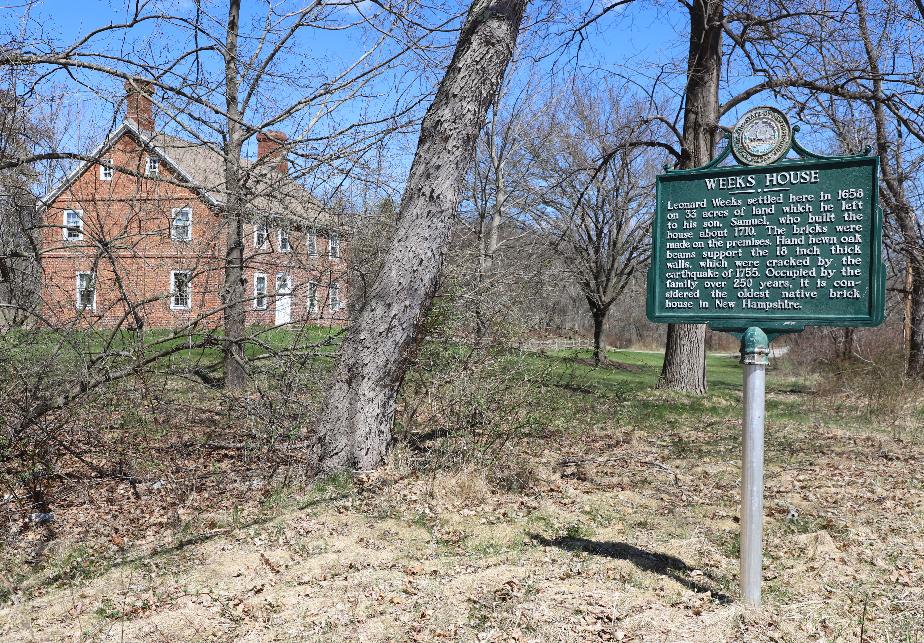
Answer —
599 317
906 321
233 291
489 229
684 366
848 340
355 430
915 364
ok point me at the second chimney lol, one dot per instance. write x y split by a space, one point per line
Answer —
138 94
270 147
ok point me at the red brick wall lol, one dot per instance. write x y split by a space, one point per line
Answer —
127 244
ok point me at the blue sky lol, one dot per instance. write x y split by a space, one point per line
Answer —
633 44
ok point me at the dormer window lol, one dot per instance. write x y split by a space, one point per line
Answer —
260 234
152 167
181 224
73 225
284 245
105 170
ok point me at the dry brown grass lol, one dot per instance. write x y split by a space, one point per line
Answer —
619 536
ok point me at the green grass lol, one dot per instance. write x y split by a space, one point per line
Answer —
69 348
633 389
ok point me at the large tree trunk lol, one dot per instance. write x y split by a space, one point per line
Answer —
233 291
355 430
684 366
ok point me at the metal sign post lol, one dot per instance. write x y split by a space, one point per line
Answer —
762 248
755 349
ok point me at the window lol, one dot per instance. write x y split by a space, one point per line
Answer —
105 170
86 291
284 245
73 225
181 224
312 297
312 243
179 290
334 246
259 291
259 234
333 296
152 167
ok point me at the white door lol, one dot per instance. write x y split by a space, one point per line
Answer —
283 299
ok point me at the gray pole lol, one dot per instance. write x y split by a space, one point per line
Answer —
755 349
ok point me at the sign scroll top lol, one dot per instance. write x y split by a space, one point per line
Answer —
777 244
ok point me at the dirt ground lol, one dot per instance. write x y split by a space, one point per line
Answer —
617 534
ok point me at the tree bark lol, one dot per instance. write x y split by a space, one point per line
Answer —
233 291
599 316
490 227
356 428
847 343
684 367
915 365
906 320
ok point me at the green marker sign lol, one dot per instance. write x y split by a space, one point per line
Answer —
766 247
781 246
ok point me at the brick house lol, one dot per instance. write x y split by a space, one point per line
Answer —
136 236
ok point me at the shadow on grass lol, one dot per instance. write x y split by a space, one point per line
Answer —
654 562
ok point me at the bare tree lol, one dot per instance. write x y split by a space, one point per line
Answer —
500 195
234 83
869 58
595 195
355 432
19 249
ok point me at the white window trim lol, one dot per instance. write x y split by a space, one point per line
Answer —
106 164
286 279
256 293
152 162
334 287
79 237
92 306
256 233
173 274
312 243
312 302
331 245
173 218
283 234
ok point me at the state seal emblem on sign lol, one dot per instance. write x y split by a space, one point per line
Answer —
761 136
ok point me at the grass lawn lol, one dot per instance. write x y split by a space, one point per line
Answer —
609 514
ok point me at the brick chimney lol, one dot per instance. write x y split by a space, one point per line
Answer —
138 94
270 146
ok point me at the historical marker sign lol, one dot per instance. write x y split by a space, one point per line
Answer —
766 247
782 246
